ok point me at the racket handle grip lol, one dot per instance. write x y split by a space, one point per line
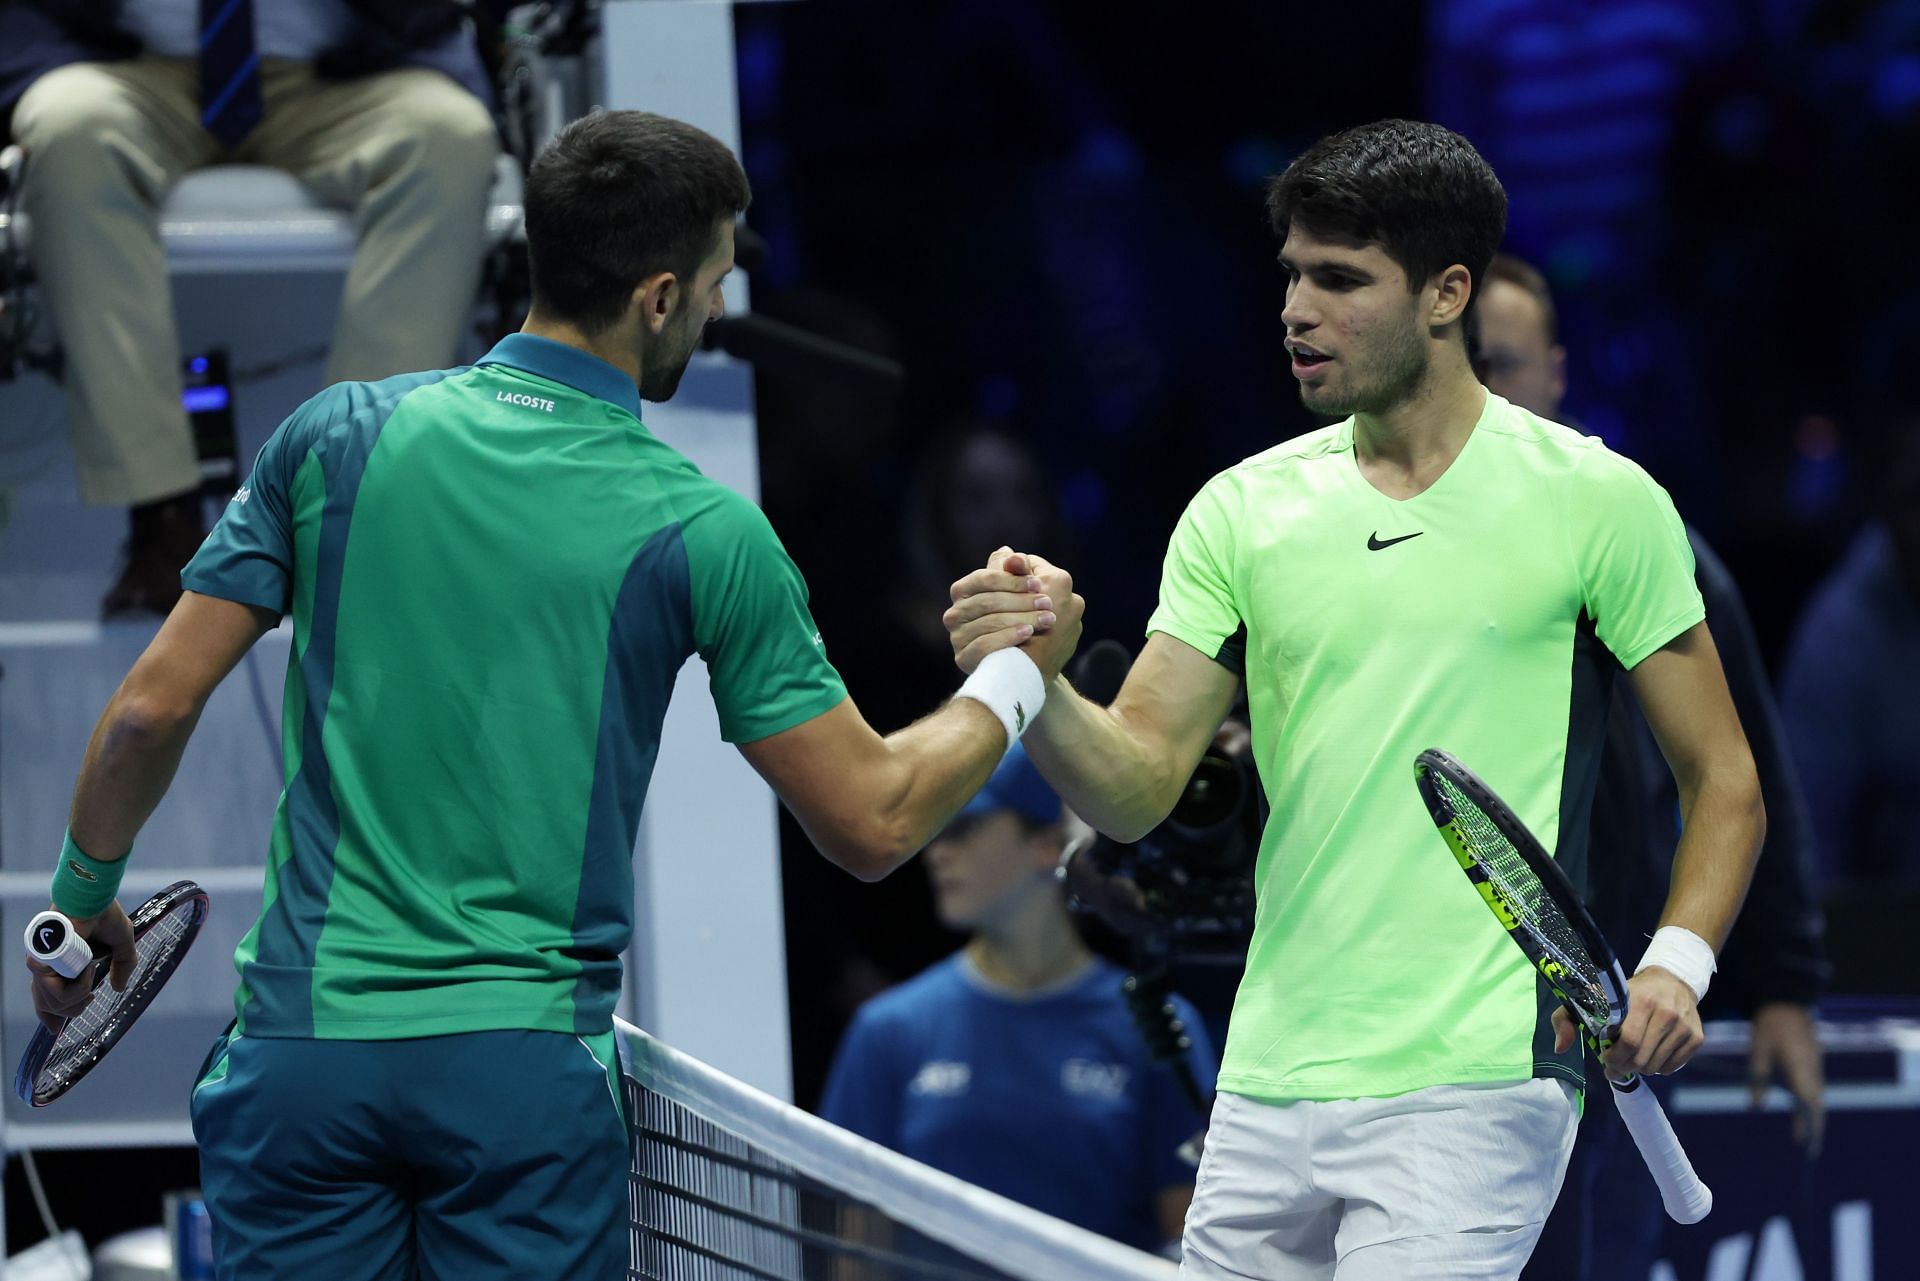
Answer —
1687 1199
52 940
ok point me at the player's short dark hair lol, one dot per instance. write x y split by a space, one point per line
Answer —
1523 275
1419 191
616 197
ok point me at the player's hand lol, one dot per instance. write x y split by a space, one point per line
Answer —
1017 599
57 999
1784 1042
1564 1029
1662 1030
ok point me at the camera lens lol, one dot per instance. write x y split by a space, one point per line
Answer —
1213 796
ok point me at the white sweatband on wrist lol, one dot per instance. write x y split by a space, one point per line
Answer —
1682 953
1010 685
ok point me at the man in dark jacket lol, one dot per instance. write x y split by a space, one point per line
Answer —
378 108
1774 964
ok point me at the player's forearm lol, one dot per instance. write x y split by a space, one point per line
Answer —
130 762
1109 770
1723 822
932 768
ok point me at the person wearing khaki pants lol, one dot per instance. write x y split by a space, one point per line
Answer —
410 150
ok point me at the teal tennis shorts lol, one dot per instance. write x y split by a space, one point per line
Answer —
471 1157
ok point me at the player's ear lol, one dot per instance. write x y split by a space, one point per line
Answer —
654 299
1451 289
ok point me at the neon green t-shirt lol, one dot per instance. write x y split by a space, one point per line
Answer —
1485 616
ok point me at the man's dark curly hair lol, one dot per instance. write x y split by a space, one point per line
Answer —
1419 191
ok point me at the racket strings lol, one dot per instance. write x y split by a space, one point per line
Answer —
156 949
1534 907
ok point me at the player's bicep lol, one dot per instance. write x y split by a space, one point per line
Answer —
1683 691
1173 702
201 641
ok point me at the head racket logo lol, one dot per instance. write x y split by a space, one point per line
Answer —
47 937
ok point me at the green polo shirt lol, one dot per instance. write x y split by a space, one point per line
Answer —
495 574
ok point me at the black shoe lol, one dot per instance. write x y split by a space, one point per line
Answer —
162 538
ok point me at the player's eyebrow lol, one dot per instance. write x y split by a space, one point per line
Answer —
1321 266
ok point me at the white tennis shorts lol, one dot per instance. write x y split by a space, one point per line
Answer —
1451 1183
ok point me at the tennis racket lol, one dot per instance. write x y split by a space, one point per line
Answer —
163 929
1536 903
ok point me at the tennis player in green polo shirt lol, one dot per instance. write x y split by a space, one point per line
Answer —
494 574
1438 569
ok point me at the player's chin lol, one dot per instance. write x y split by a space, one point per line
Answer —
1322 399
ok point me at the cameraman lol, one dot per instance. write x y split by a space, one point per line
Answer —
1014 1064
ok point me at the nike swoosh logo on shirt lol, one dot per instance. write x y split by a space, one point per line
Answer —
1375 542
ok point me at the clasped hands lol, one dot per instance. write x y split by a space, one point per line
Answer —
1021 599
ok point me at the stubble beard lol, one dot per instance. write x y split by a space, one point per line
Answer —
1397 372
658 383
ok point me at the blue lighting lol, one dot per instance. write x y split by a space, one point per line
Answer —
200 400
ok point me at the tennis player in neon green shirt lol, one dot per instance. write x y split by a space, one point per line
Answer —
1440 568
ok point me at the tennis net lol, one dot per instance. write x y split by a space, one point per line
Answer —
730 1184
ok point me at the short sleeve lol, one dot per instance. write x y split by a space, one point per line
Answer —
765 659
1632 556
1171 1117
1197 603
248 557
862 1093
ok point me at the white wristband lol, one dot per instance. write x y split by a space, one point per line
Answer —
1682 953
1010 685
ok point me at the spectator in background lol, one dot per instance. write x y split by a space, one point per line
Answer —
1851 694
976 480
1773 963
972 479
381 108
1851 690
1015 1064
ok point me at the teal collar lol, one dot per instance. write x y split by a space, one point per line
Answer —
561 363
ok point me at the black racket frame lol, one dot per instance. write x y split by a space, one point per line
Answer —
132 1004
